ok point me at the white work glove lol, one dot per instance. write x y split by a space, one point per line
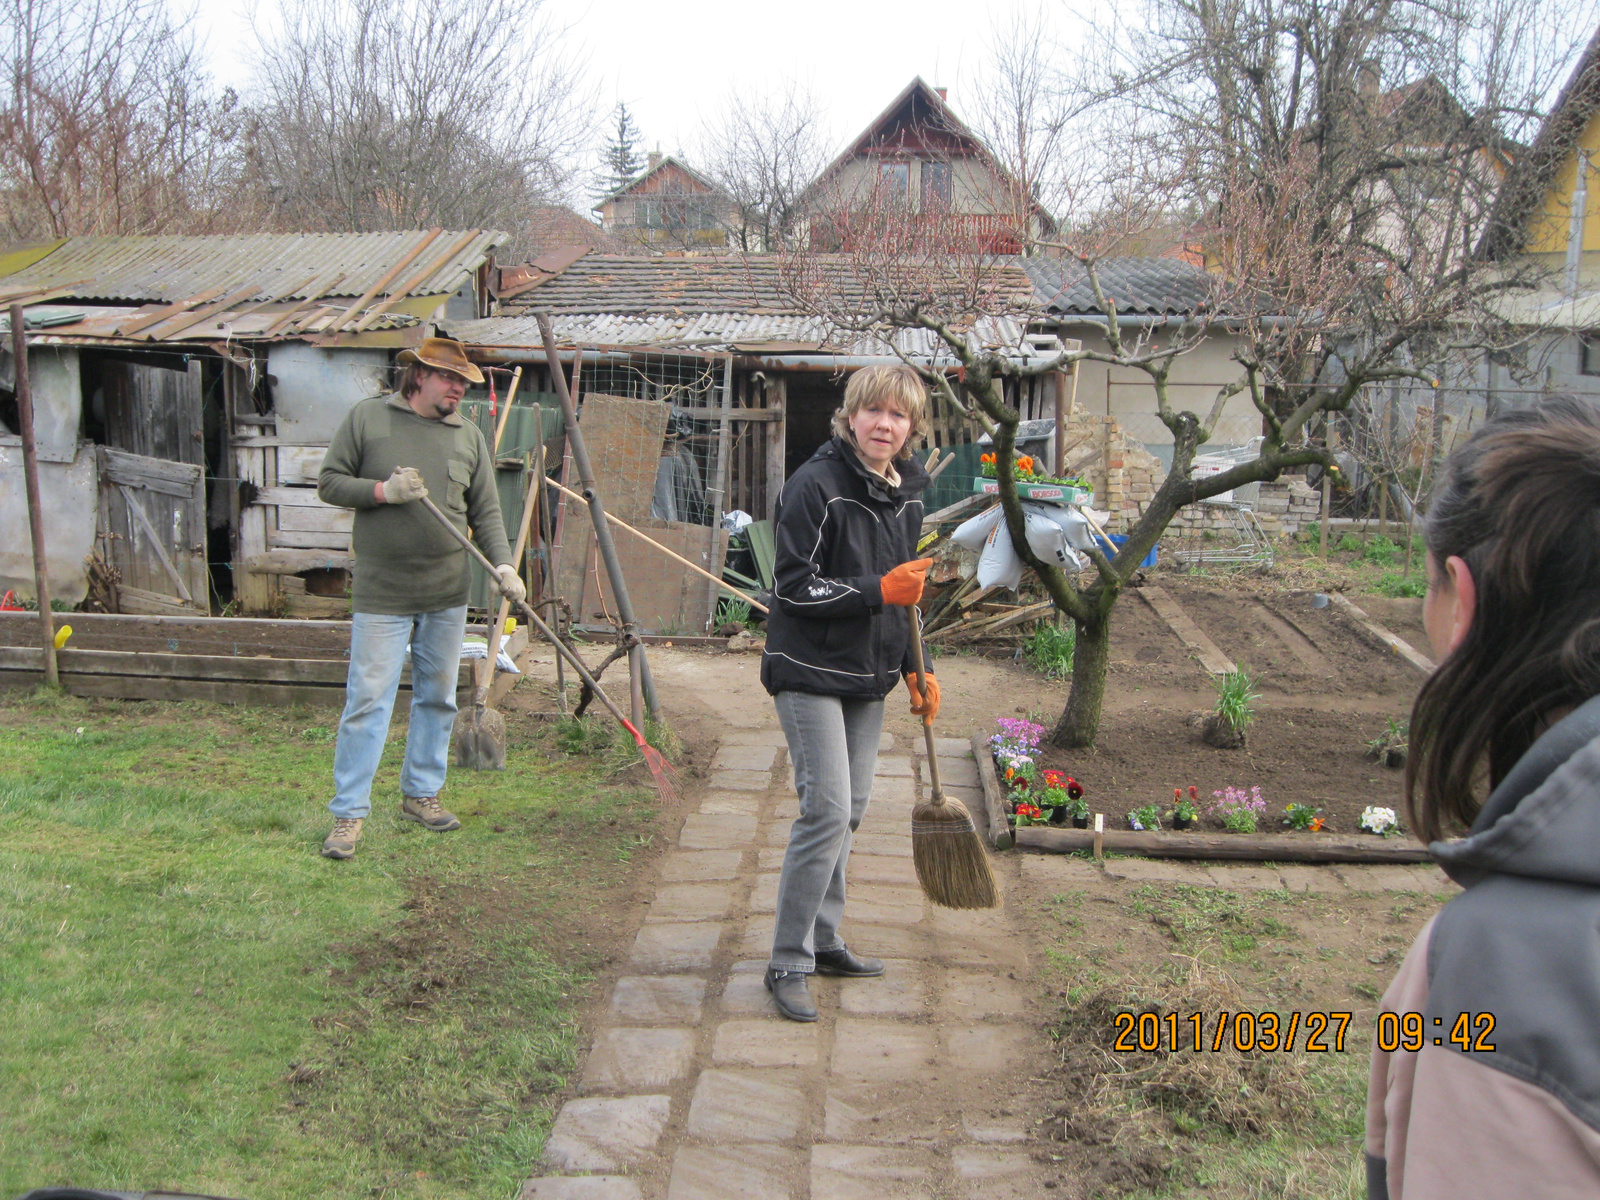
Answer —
403 486
510 584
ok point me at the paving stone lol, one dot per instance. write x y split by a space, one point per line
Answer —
987 1048
976 994
1315 880
741 781
764 898
772 1043
1156 870
988 1173
894 1114
1424 878
972 797
958 772
886 904
748 1106
751 1172
778 834
745 758
765 736
944 747
881 843
581 1187
971 922
1058 870
718 832
631 1060
989 953
786 809
899 992
745 994
871 1173
876 868
673 948
886 742
893 767
727 804
770 858
894 790
701 866
595 1134
887 1051
658 999
1240 879
883 941
756 941
691 902
994 1130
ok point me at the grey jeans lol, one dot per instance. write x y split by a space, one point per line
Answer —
833 744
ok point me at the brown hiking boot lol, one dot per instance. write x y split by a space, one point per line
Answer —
341 843
425 811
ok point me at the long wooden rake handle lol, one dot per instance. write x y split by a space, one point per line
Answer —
533 619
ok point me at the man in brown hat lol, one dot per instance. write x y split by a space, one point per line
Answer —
409 585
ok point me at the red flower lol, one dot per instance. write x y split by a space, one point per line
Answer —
1074 788
1194 792
1177 793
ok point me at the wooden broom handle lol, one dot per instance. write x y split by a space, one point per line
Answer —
922 686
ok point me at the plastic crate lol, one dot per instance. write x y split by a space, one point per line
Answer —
1118 539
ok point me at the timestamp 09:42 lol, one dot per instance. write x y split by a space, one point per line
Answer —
1313 1032
1467 1031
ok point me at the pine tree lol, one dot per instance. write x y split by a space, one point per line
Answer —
621 161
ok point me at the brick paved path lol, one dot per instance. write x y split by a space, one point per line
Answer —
907 1086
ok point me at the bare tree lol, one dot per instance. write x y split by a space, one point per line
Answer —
109 124
1339 219
764 153
384 114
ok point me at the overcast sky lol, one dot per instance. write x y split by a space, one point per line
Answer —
675 63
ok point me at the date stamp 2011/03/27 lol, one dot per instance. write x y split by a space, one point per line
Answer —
1313 1032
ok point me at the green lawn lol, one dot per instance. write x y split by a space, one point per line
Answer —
192 998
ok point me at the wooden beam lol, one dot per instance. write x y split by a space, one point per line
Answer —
1247 847
460 244
1383 636
1190 634
387 278
1000 836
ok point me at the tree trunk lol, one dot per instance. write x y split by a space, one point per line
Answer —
1080 720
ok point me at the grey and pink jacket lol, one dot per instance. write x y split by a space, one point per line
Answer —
1522 945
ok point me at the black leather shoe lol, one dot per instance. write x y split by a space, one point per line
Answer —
792 993
842 962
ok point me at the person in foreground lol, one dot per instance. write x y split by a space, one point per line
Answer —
838 640
1494 1086
409 586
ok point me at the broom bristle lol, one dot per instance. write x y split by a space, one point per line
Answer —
951 863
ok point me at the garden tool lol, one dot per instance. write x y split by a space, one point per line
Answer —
660 769
951 863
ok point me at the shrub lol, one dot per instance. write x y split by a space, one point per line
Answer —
1050 648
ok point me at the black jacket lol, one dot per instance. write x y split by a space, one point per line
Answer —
840 529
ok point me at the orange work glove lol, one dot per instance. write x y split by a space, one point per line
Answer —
903 585
928 708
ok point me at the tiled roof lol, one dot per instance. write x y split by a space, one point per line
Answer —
645 285
1139 286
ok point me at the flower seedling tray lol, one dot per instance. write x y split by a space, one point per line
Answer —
1055 493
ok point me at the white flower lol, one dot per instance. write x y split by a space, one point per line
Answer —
1378 820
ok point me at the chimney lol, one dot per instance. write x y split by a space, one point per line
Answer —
943 93
654 159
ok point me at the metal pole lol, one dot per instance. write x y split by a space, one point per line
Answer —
718 490
637 661
30 472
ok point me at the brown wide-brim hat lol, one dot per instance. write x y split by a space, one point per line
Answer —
444 354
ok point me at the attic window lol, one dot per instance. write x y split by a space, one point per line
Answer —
935 186
895 181
1589 352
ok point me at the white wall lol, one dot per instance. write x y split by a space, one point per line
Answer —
68 495
315 388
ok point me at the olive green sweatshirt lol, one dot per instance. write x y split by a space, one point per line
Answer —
405 562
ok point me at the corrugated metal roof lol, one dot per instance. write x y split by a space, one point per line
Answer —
277 265
1139 286
719 333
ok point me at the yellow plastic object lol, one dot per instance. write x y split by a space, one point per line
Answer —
510 626
62 635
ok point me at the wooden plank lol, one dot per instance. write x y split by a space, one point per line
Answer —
292 562
953 510
153 474
1392 642
324 519
138 602
300 464
137 510
311 298
309 539
171 310
1000 835
152 665
1249 847
388 277
1190 634
240 626
303 497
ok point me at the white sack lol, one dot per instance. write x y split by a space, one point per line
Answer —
998 565
974 532
1048 540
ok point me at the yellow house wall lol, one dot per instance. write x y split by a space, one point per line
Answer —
1551 227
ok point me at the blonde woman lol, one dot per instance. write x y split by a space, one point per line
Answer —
838 641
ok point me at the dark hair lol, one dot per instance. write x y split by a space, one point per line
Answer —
1520 505
411 377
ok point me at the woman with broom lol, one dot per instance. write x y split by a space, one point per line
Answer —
838 639
1486 1064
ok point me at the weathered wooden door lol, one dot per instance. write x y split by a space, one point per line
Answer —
153 530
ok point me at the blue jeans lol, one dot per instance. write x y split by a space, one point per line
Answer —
833 744
377 653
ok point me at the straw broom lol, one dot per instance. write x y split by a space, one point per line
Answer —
952 865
